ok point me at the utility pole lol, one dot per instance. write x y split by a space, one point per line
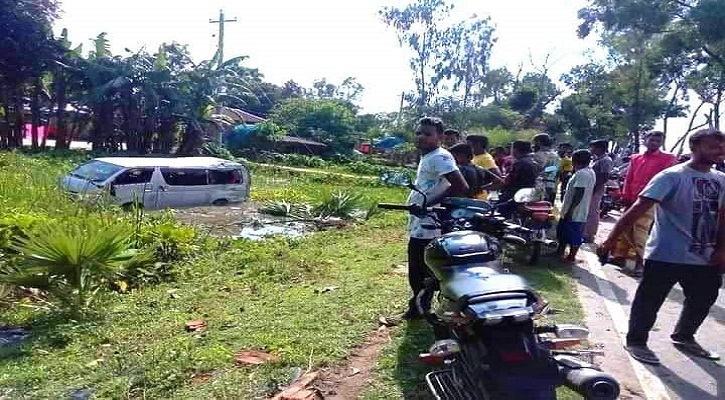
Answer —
221 23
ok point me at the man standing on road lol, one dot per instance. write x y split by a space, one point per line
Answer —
575 205
545 157
602 167
686 246
642 168
437 177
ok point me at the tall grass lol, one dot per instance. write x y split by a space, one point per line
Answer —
31 184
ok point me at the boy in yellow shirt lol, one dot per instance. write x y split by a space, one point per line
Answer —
481 158
566 168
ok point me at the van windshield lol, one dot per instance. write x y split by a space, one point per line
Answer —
96 171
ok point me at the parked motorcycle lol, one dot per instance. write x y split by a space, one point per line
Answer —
538 217
612 198
489 346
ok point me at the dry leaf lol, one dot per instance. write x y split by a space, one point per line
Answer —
254 357
197 325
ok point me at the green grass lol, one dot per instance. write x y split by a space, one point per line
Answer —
253 295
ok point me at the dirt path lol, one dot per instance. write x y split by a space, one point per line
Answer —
348 379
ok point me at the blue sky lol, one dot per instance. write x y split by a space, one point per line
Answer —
306 40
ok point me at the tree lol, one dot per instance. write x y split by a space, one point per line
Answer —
347 92
418 27
688 33
466 50
327 121
28 53
496 84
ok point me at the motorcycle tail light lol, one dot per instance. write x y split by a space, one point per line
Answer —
433 360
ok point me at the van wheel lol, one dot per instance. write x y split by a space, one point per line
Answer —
220 202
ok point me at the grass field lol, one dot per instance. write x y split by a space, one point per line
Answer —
254 295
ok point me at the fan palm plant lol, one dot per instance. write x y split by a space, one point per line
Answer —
72 262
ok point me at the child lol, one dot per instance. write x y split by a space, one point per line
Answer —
575 209
437 177
478 179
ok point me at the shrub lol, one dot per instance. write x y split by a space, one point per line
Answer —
72 261
167 241
341 204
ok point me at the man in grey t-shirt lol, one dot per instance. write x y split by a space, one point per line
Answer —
686 246
602 166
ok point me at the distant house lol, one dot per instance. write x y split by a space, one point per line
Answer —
293 144
240 116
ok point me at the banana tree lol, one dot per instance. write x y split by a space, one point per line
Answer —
205 88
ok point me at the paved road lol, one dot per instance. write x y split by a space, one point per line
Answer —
607 294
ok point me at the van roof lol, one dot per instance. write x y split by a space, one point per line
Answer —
178 162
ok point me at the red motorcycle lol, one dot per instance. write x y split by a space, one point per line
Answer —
612 199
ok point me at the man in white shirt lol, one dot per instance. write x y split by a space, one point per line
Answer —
437 177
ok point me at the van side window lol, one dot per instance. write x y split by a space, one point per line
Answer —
134 176
225 177
184 177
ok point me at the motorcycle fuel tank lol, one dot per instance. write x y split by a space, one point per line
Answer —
446 252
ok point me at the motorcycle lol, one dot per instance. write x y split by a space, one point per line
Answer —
612 198
488 343
537 216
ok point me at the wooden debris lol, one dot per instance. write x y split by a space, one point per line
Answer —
300 389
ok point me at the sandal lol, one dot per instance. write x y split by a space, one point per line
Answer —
694 348
643 354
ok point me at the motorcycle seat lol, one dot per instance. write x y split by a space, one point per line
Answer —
465 289
538 207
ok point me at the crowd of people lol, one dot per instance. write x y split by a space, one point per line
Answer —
670 231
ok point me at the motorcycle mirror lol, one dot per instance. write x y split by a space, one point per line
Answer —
412 187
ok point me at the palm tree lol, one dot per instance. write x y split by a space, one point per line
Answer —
72 262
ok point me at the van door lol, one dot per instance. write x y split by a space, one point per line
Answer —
183 187
134 184
227 185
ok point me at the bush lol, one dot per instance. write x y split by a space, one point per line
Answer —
168 241
72 261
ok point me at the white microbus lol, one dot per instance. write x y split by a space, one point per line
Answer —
159 182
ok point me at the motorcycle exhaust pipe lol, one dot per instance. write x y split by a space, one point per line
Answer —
586 380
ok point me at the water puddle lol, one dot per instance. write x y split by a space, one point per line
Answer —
263 230
10 337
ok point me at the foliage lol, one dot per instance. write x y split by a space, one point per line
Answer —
284 208
214 150
327 121
340 204
72 261
669 43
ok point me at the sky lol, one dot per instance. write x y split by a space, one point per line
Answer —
305 40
